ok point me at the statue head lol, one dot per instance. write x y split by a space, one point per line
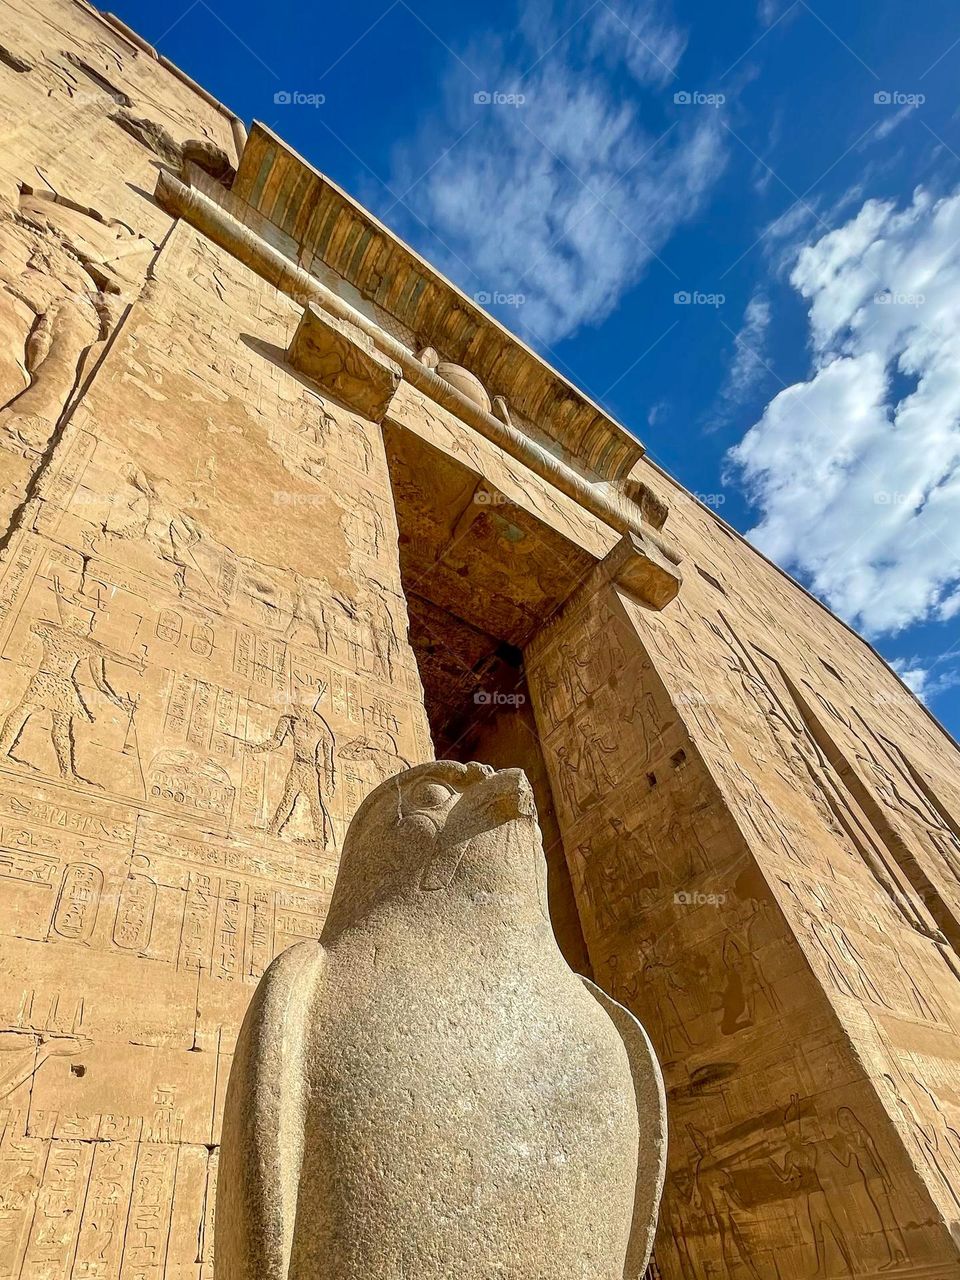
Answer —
441 833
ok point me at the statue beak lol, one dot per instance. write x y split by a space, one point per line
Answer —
497 798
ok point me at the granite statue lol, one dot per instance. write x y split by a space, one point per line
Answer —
429 1090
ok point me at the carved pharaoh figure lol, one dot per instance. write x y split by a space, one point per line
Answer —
429 1091
54 686
314 758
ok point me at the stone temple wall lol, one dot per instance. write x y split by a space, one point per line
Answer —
221 582
200 617
744 832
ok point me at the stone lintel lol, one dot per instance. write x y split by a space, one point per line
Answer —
325 230
343 360
639 566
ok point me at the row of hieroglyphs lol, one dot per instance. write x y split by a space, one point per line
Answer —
107 1206
202 905
239 723
203 658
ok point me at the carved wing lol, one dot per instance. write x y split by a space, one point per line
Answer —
262 1143
652 1110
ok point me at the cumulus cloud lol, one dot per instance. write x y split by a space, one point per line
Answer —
914 677
566 197
857 470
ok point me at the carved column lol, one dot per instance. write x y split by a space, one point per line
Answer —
787 1155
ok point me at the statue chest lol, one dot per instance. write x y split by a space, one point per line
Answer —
489 1109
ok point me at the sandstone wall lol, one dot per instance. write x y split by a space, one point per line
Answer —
805 1022
200 620
205 664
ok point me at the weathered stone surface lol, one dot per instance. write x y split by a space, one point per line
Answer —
464 381
230 606
429 1089
343 361
654 509
644 569
151 134
210 158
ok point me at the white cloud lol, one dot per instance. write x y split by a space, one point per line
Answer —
893 121
656 412
567 198
650 46
914 677
768 11
750 364
857 470
923 679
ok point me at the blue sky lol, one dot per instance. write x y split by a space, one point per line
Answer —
736 226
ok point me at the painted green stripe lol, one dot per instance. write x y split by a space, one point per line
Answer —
356 259
260 181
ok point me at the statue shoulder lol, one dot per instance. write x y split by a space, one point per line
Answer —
290 980
262 1139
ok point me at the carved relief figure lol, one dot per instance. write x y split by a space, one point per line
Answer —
668 976
314 759
65 271
800 1171
853 1145
377 620
308 613
715 1195
52 354
845 963
597 759
54 688
574 668
743 985
548 687
673 1226
568 776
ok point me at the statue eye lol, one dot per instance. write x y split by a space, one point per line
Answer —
431 795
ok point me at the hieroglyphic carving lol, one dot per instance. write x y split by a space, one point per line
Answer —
314 759
690 938
150 625
75 915
54 688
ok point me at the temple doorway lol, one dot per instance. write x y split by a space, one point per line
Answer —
480 579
